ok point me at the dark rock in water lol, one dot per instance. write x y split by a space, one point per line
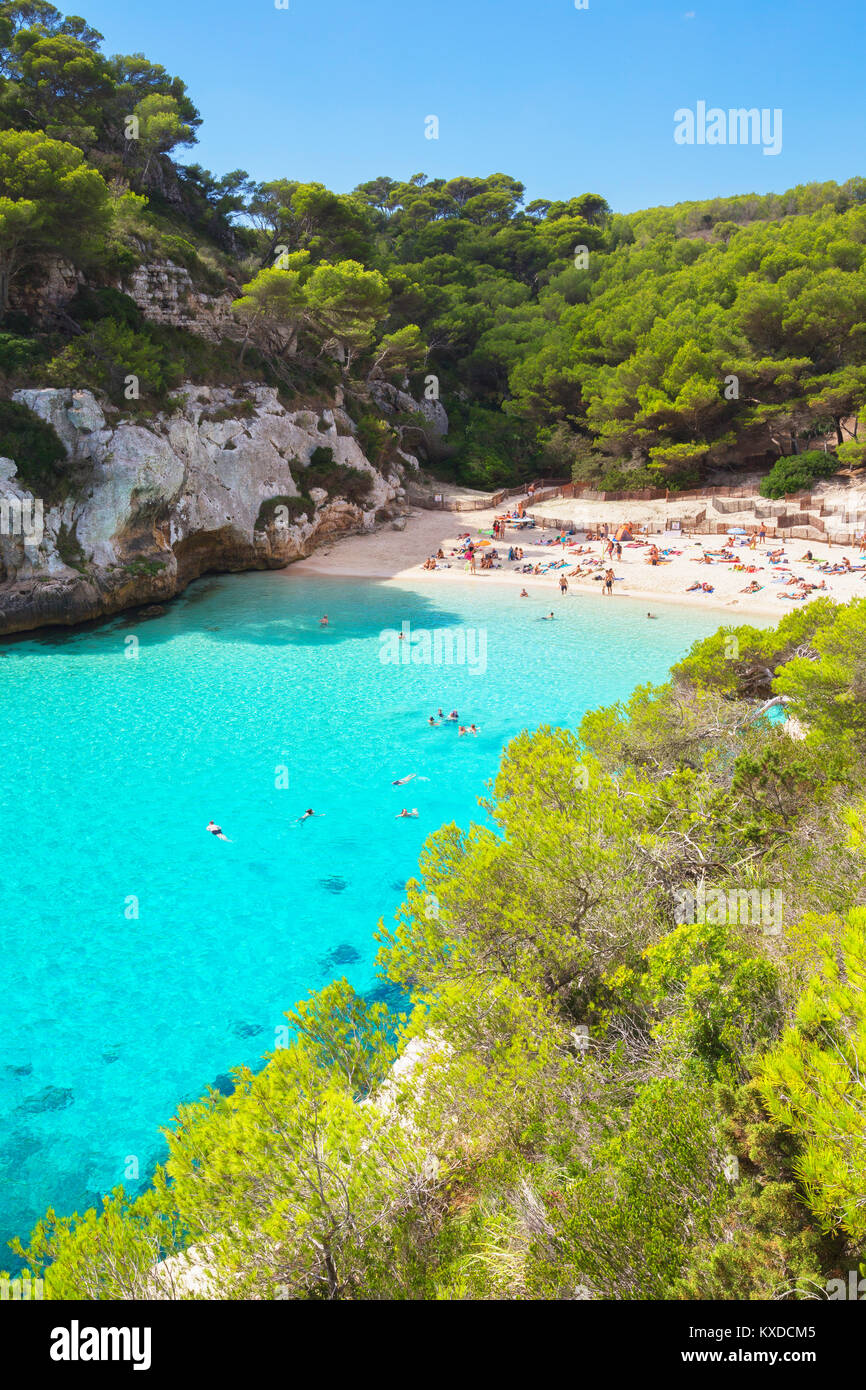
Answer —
26 1069
18 1148
334 884
52 1098
386 992
247 1030
398 888
341 955
224 1084
110 1056
153 610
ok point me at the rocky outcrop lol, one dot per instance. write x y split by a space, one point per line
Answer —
392 401
154 505
165 293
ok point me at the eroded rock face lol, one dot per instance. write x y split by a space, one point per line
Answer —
394 401
154 505
165 293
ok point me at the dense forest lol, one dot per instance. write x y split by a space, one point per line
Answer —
630 1015
563 339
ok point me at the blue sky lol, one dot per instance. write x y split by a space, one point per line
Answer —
566 100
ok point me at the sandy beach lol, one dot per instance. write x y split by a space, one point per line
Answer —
390 554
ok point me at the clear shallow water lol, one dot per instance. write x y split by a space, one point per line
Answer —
113 767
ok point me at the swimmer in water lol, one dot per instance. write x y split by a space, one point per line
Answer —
652 615
524 594
305 816
473 729
461 731
432 722
546 618
217 832
323 621
401 781
406 815
454 715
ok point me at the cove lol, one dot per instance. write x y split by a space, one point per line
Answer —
142 958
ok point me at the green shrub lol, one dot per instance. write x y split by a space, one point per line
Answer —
295 506
92 305
492 449
374 436
337 479
107 355
16 354
36 449
70 550
797 473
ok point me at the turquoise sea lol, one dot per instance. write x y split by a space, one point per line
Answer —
142 958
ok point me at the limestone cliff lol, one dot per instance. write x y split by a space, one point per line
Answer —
153 505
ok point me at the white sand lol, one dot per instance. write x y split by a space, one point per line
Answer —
399 555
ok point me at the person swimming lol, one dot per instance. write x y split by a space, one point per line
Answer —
524 594
305 816
454 715
216 831
406 815
323 621
432 722
472 729
545 617
401 781
652 615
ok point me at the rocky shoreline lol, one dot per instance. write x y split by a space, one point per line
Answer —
153 506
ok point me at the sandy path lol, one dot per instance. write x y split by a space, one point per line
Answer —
399 555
